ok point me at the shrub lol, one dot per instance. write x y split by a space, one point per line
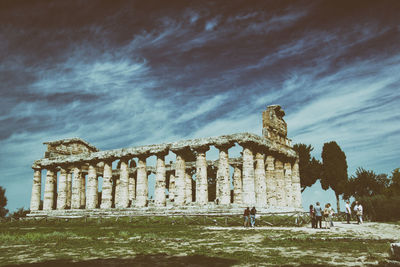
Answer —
381 207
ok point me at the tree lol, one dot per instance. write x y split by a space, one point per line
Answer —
310 169
20 213
394 186
366 183
3 202
334 169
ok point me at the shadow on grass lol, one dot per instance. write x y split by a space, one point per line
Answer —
139 260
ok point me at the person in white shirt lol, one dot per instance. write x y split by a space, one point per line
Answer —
355 212
348 211
360 213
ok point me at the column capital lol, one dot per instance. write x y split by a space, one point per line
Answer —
200 148
224 145
36 167
248 144
184 152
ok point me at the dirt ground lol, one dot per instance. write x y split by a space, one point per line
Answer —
368 230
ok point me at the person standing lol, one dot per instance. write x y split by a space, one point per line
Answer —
312 216
318 215
356 211
360 213
331 213
246 216
348 212
253 216
326 216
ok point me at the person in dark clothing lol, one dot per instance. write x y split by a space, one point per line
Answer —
253 216
312 217
246 217
318 215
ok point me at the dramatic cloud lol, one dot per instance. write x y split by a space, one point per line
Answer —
131 73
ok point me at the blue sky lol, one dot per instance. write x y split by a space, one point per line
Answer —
127 73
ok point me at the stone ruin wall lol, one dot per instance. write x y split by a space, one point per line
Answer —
266 176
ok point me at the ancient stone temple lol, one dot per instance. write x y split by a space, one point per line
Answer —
266 176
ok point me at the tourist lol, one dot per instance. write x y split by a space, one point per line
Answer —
312 216
360 213
331 213
348 212
318 215
246 217
326 216
355 212
253 216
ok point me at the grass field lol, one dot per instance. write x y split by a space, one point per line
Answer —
158 241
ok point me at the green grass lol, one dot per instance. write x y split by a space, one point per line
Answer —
159 239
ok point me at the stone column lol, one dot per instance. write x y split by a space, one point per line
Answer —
260 181
223 190
249 196
62 189
142 182
237 184
76 188
132 182
106 192
36 188
288 184
201 175
188 186
280 183
271 181
160 187
296 186
117 191
171 188
123 184
83 191
180 176
51 181
92 188
69 188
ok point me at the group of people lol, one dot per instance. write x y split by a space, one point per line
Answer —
249 217
317 214
358 211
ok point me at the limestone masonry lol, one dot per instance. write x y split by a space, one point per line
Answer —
265 176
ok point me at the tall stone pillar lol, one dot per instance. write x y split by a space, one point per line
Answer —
36 188
171 187
188 186
180 174
92 188
51 182
296 186
83 191
69 188
76 188
123 185
237 184
280 183
142 182
288 184
117 191
223 192
106 192
62 189
132 182
249 196
160 187
271 181
201 175
260 181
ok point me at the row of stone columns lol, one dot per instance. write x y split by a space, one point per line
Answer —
260 181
